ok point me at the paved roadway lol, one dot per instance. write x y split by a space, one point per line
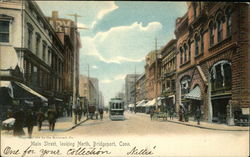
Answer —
139 124
171 138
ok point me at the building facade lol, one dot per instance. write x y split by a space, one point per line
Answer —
32 56
153 75
69 36
140 88
168 74
130 80
212 60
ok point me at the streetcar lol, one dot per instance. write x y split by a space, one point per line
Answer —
116 109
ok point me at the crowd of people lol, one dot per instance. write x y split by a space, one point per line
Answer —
31 118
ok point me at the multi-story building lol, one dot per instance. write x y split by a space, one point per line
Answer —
89 89
140 88
68 34
130 80
153 75
34 49
213 59
168 73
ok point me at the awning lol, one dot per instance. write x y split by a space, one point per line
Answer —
142 103
194 94
31 93
131 105
58 99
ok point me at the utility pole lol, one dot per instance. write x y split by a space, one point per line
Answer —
135 90
89 93
156 77
74 101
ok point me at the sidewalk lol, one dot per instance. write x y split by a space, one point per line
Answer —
211 126
63 124
203 124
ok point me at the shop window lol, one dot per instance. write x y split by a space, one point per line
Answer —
4 31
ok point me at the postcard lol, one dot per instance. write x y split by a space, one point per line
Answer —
124 78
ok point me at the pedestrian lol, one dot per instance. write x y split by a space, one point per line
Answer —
151 114
96 114
40 119
19 121
101 113
52 119
30 121
79 112
181 114
198 115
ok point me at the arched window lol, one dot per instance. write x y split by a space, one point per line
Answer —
30 34
185 84
219 28
194 9
221 76
189 50
202 41
196 42
229 21
185 53
211 34
181 52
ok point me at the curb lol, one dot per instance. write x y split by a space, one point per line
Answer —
203 127
73 127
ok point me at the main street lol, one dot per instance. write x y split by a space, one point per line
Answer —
140 124
140 131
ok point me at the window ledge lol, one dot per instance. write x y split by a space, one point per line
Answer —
199 55
187 62
5 44
220 44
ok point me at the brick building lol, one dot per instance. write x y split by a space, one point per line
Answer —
212 60
153 75
168 73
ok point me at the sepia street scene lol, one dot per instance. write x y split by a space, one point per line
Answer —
131 78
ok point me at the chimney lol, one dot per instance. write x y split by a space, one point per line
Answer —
54 14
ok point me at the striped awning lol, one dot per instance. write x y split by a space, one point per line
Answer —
194 94
141 104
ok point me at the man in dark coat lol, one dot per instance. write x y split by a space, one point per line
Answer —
52 119
30 121
40 119
198 115
101 113
19 121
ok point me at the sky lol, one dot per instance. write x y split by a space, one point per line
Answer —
119 36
